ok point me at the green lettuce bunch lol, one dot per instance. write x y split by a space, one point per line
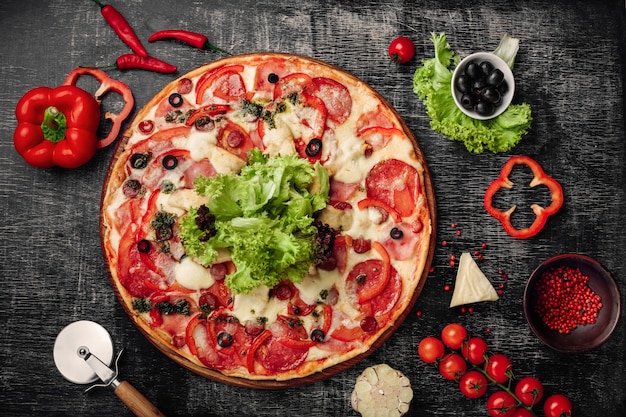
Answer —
264 217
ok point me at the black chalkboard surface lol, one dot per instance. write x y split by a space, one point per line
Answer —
570 69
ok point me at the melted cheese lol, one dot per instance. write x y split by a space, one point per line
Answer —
257 303
179 201
192 275
200 144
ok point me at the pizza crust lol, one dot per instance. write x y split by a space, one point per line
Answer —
348 158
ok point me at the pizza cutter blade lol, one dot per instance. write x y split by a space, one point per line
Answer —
83 353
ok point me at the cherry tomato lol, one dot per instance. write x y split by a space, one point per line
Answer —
499 367
473 384
522 412
529 390
501 404
452 367
474 350
453 335
401 50
430 349
557 405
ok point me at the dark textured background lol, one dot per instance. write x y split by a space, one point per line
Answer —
570 68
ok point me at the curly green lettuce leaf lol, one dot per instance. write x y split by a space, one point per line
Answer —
432 84
264 217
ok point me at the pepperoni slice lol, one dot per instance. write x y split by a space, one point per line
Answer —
263 86
366 275
220 341
396 184
297 82
225 83
275 356
336 98
216 296
378 137
235 139
373 118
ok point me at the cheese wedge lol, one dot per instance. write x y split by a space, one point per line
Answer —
472 286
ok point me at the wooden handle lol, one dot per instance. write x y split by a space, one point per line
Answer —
136 402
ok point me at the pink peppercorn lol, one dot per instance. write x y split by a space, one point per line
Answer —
564 300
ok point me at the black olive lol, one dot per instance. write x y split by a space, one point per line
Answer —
484 108
396 233
473 70
313 147
492 95
176 100
495 78
468 101
272 78
478 85
486 67
139 160
224 339
317 335
143 246
169 162
463 83
503 88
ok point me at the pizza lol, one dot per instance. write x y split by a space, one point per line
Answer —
267 217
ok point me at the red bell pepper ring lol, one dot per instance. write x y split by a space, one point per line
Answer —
107 84
541 213
58 126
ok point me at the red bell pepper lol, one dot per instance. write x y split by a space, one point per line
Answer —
541 213
59 126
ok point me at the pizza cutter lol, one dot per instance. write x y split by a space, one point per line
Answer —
83 353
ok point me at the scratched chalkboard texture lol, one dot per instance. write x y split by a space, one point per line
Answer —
570 69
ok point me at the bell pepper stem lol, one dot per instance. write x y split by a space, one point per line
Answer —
53 125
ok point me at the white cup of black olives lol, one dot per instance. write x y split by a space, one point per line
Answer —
483 85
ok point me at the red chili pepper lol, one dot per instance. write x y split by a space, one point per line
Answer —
541 213
58 126
197 40
123 29
132 61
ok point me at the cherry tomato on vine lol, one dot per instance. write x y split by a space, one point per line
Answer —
498 367
474 350
501 404
401 50
529 390
557 405
522 412
430 349
452 366
453 335
473 384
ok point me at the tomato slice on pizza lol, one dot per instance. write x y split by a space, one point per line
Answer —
267 217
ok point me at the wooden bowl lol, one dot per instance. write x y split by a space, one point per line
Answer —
583 337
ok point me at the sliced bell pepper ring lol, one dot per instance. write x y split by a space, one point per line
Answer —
207 111
372 202
107 84
260 339
541 213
